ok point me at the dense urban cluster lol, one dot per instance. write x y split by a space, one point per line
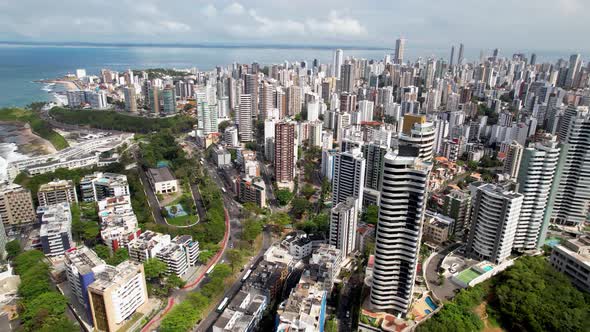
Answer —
359 194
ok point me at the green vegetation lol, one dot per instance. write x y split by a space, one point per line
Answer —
371 214
85 225
300 206
331 325
161 72
529 296
183 220
187 314
111 120
110 258
38 125
13 249
40 307
492 115
284 196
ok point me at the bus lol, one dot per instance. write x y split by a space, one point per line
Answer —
222 305
210 269
247 275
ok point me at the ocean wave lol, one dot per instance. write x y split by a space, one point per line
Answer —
8 153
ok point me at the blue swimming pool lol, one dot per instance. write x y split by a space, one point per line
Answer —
487 268
427 311
431 303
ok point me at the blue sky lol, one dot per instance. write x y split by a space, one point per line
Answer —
508 24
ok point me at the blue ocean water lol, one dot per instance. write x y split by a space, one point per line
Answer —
21 65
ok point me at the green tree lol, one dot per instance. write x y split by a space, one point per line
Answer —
279 221
234 258
371 214
284 196
299 206
51 304
308 190
252 228
27 260
13 248
174 281
205 256
154 268
118 257
102 251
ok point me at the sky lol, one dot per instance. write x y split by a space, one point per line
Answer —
508 24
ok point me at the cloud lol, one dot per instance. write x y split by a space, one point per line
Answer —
209 10
234 9
336 24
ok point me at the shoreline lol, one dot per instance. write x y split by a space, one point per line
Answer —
30 144
69 85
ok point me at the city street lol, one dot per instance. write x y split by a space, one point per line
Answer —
446 291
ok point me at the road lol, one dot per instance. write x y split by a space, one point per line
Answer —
152 200
447 289
205 324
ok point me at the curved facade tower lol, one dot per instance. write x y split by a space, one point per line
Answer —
401 211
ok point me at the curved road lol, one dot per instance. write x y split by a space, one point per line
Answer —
181 293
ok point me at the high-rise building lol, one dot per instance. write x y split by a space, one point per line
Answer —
16 206
349 177
400 45
116 293
130 99
420 134
460 57
284 151
537 169
513 158
457 205
207 115
169 100
570 197
251 88
494 219
98 186
56 228
397 243
452 56
293 100
57 191
343 224
373 153
82 265
347 77
244 115
337 63
572 72
154 99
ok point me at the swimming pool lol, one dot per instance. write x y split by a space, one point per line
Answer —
427 311
431 303
487 268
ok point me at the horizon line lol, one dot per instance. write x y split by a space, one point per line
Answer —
194 45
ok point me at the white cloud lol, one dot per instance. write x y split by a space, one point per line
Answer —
336 24
173 26
234 9
209 10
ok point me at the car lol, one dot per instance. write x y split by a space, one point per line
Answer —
347 314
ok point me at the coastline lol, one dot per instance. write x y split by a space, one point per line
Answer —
28 143
69 85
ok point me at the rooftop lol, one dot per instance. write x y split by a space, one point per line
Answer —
161 174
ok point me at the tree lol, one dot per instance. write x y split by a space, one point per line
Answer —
371 214
102 251
308 190
26 260
284 196
49 304
234 258
299 206
252 228
154 268
279 220
205 256
120 256
173 281
13 248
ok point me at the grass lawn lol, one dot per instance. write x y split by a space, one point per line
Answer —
183 220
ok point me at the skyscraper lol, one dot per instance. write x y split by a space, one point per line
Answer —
337 63
400 44
420 134
373 153
349 177
457 205
533 59
570 197
494 219
284 151
397 243
207 115
452 56
535 177
169 100
130 99
460 57
343 224
572 71
513 158
347 77
245 118
251 88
